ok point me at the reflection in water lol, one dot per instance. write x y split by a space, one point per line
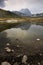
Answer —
3 40
24 26
27 35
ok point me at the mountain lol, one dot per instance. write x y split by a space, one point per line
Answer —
23 12
26 12
38 15
7 14
18 13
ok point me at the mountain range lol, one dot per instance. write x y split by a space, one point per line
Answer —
21 13
7 14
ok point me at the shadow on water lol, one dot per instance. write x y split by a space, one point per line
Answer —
3 40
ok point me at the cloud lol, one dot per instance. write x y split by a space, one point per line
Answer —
2 3
33 5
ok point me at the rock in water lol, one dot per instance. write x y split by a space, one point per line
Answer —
5 63
24 59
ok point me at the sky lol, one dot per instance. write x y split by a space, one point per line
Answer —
35 6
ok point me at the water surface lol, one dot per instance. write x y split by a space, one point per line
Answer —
26 35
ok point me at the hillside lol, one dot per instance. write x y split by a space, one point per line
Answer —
7 14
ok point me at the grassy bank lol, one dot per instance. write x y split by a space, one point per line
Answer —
35 19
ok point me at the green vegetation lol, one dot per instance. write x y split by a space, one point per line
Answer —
7 14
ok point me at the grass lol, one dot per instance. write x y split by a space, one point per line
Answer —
24 19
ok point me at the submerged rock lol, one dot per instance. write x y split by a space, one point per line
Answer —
24 59
5 63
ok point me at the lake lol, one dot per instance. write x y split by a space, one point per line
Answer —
26 37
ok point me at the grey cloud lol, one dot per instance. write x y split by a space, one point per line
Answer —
35 1
2 3
33 5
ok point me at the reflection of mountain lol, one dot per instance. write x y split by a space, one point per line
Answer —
24 26
41 24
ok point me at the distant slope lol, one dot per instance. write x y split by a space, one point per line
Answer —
7 14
